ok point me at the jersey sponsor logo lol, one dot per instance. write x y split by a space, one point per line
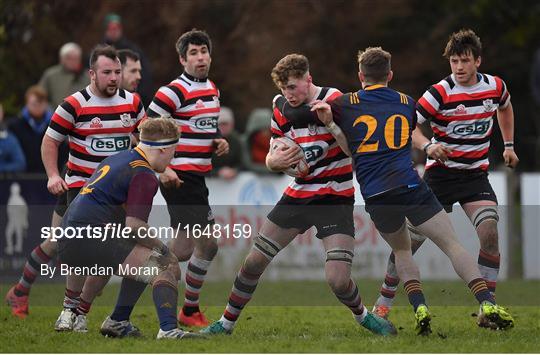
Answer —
471 128
206 123
126 119
110 144
461 110
96 123
313 152
488 105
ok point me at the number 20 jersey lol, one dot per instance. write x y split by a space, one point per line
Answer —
378 122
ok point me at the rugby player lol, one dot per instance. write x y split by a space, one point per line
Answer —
193 101
324 199
17 296
378 122
460 111
120 192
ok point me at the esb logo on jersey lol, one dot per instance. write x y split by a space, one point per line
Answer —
471 128
110 144
206 123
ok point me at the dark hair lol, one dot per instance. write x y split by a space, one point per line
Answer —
463 42
375 64
195 37
102 50
295 65
124 54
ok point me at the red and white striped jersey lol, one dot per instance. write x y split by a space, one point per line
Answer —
96 127
461 118
194 104
330 171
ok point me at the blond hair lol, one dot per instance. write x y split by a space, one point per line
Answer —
159 129
292 65
374 63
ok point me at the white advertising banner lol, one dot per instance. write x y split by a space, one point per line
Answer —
530 200
247 199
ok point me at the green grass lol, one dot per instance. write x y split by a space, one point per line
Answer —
289 317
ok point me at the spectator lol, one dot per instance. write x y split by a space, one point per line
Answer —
31 125
227 166
257 140
11 155
115 37
67 77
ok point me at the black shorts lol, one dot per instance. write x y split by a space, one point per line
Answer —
63 201
329 215
89 252
188 204
452 185
389 210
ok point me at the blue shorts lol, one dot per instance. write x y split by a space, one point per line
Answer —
389 209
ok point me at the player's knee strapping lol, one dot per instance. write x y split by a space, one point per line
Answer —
338 254
485 213
150 264
266 246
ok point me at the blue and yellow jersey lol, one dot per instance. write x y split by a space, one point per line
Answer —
122 184
378 122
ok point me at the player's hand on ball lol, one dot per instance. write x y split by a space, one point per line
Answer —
170 179
323 110
438 152
56 185
222 146
285 157
511 159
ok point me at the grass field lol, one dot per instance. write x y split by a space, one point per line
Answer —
289 317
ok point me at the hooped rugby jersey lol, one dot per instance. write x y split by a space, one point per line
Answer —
194 104
96 128
461 118
330 170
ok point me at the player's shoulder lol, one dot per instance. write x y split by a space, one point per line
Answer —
329 94
278 102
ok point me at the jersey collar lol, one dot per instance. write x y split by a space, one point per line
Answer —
141 153
374 87
194 79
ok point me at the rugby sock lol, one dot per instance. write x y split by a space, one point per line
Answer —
195 274
165 296
351 298
390 284
130 292
480 291
83 307
72 299
31 269
413 288
242 291
488 265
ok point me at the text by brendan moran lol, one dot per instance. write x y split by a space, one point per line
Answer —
96 270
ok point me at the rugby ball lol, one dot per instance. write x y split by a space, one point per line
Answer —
300 169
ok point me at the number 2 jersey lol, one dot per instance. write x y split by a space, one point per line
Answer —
378 123
330 170
122 185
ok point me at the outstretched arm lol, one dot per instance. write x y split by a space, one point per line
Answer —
324 113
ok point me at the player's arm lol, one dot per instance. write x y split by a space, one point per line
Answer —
164 104
280 159
505 117
142 188
61 124
426 108
324 113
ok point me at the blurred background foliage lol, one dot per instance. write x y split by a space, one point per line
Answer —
250 36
